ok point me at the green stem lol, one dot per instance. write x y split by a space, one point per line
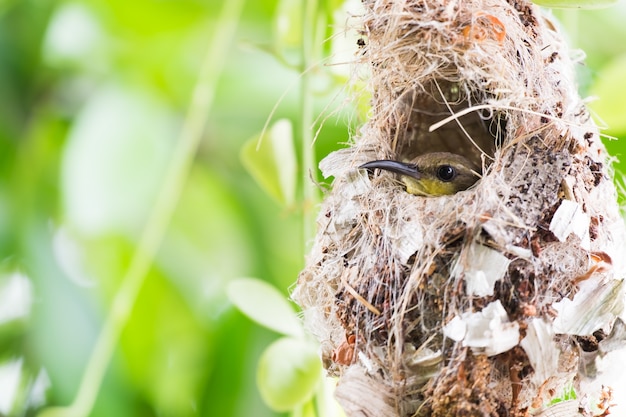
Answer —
160 217
310 56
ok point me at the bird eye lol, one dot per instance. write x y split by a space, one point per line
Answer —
446 173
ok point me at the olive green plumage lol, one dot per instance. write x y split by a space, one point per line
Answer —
432 174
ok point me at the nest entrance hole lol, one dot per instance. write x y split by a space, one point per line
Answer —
476 135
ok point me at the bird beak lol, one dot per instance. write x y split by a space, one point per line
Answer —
401 168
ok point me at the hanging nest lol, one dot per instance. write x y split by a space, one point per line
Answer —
494 301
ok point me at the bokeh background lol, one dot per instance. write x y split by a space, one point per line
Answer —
94 95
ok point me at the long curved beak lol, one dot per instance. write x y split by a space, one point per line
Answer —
401 168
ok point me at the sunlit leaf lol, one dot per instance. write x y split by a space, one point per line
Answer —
288 373
16 296
327 404
610 86
202 250
576 4
332 5
288 28
10 375
114 160
163 344
272 161
264 304
54 412
147 18
307 410
74 35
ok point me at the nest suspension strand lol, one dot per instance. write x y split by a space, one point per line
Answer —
481 302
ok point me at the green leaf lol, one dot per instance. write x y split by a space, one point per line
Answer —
334 5
288 23
569 393
306 410
611 87
162 344
114 159
271 160
288 373
576 4
264 304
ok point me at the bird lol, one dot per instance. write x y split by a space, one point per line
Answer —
431 174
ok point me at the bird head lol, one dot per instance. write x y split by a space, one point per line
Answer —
431 174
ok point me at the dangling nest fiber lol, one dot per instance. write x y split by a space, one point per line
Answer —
494 301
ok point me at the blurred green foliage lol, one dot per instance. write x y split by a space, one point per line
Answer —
93 94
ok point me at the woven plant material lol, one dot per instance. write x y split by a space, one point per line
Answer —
494 301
